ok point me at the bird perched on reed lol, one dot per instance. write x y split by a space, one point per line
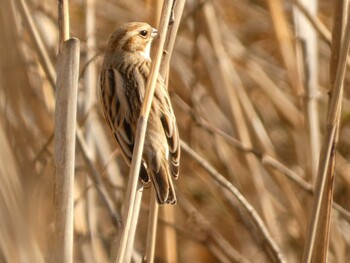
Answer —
123 79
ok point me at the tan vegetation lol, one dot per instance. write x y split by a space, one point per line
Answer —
259 95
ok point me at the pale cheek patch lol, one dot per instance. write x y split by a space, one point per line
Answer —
146 53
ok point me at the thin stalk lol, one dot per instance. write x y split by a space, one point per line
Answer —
152 227
169 251
310 239
135 213
169 246
285 43
170 41
63 22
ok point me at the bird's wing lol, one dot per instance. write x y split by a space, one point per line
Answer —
114 113
169 125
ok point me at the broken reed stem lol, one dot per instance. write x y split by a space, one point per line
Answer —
65 127
318 228
128 230
272 250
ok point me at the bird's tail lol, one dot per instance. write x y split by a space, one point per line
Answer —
163 185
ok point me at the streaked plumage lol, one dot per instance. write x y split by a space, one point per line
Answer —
123 81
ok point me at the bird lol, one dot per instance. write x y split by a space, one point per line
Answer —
123 80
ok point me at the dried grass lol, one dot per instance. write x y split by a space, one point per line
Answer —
244 98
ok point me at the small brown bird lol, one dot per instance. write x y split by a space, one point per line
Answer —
123 79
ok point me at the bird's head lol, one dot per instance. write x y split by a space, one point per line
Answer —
134 37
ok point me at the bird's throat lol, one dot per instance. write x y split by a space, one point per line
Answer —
147 51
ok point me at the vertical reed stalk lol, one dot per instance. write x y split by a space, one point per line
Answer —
284 39
63 22
316 245
65 128
152 228
167 230
307 51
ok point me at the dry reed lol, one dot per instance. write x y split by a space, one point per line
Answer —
249 83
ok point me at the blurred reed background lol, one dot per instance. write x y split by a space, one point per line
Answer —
249 83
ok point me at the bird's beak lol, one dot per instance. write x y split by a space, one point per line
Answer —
154 33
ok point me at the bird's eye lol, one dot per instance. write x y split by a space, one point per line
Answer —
143 33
